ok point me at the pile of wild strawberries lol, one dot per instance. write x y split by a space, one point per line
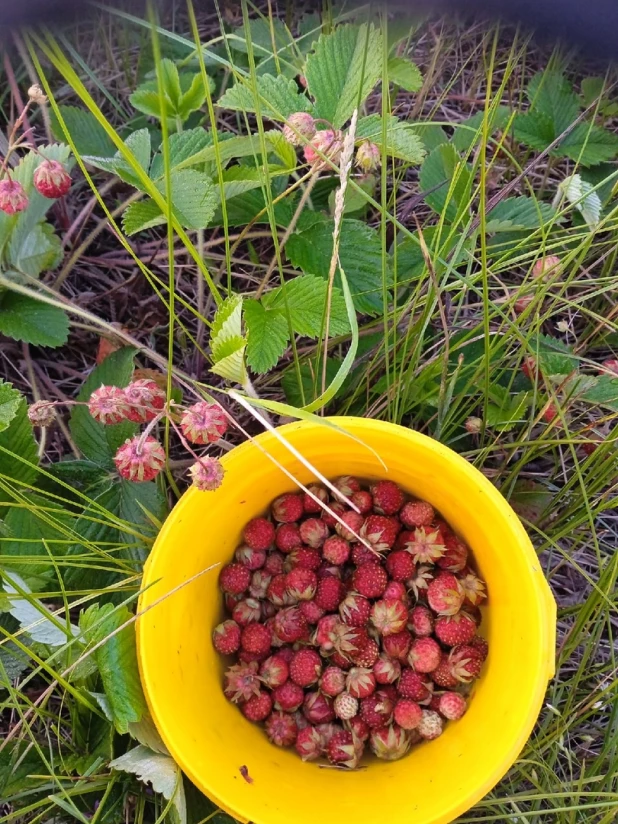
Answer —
351 626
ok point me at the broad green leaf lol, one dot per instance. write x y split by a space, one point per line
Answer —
27 319
534 129
245 207
267 335
33 616
342 70
193 95
146 99
278 97
554 356
194 197
594 88
588 145
139 143
97 442
88 135
404 73
263 33
147 734
10 400
13 660
402 140
579 193
116 660
506 415
604 393
450 178
33 249
182 146
468 132
167 73
158 770
231 364
432 135
305 299
360 252
550 93
229 149
17 439
227 323
516 213
531 500
140 216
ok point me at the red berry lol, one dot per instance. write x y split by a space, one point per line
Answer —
337 508
325 632
473 587
347 485
204 423
260 581
13 197
140 459
241 682
355 610
358 727
396 591
465 663
234 579
332 681
386 670
389 742
400 565
329 593
301 584
420 621
425 546
368 655
256 638
145 398
344 750
206 474
304 556
305 667
417 513
363 501
407 714
226 637
452 705
51 179
412 685
281 729
350 525
290 625
309 743
277 591
360 682
311 611
456 555
362 555
259 533
387 497
288 697
443 674
287 508
380 531
108 405
455 629
424 655
445 594
251 558
287 537
370 580
340 661
258 707
345 706
247 611
318 708
389 617
430 725
274 563
397 646
311 506
376 710
287 653
274 671
336 550
480 645
313 532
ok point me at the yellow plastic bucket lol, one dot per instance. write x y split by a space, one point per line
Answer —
182 673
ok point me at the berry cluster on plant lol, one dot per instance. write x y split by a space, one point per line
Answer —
354 631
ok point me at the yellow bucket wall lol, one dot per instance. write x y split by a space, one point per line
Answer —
182 673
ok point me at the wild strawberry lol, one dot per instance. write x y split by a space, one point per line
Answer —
420 621
336 550
13 197
545 266
397 646
252 657
380 531
455 629
389 617
343 749
473 425
480 645
358 727
389 742
287 653
327 570
301 584
41 413
230 601
329 593
424 655
251 558
234 578
256 638
274 563
363 501
258 707
445 594
308 743
108 405
360 682
473 588
268 610
336 507
241 682
530 368
288 696
345 706
368 156
313 532
347 485
443 674
355 610
287 537
226 637
290 625
274 671
430 725
465 663
376 710
419 582
387 497
259 534
247 611
51 179
333 681
452 705
327 730
325 632
417 513
305 667
426 547
368 655
370 580
318 708
145 398
348 640
362 555
305 557
299 129
407 714
396 591
287 508
338 660
350 529
204 423
206 474
456 555
400 565
311 611
386 670
434 704
311 506
277 592
260 581
412 685
281 728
